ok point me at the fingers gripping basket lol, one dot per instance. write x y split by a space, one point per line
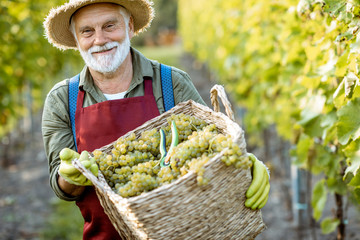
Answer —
182 209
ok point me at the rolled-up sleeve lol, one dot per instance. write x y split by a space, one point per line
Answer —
184 88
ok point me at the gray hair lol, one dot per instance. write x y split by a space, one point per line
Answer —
123 11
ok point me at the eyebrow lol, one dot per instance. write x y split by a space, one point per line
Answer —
113 20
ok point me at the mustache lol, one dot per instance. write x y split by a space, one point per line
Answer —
103 48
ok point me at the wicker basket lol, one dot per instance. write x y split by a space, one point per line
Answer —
182 209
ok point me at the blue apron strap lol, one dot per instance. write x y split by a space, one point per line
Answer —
73 93
167 87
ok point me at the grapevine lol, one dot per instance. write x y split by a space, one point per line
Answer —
292 64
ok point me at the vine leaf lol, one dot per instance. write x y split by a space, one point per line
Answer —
355 45
355 181
312 109
336 185
348 125
328 225
319 198
342 64
357 194
352 152
335 7
302 149
351 80
328 124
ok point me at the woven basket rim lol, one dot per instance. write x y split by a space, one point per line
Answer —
189 103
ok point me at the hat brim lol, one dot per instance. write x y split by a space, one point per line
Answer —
57 22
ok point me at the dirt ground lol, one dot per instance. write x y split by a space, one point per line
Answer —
25 195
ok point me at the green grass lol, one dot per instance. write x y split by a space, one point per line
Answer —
65 223
169 55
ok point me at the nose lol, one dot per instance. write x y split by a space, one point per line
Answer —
100 38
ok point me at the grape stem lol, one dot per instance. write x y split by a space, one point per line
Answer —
210 144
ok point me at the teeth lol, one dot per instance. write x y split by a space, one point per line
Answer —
103 50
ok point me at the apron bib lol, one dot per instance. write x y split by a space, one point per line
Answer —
98 125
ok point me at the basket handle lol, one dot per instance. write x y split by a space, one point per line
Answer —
218 90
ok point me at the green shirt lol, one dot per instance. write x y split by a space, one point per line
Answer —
56 127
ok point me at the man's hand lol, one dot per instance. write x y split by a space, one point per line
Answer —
258 192
69 173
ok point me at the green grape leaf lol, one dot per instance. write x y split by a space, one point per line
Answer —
335 7
352 62
313 128
356 194
356 92
318 199
313 109
329 134
302 149
356 10
328 123
346 36
348 125
321 160
342 64
352 149
345 17
329 119
329 225
355 45
352 152
339 98
336 185
350 80
355 181
325 162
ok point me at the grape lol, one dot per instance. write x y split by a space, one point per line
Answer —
132 167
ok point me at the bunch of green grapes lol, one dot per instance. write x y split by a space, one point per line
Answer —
201 146
133 166
132 158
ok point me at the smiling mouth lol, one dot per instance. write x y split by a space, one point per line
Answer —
104 51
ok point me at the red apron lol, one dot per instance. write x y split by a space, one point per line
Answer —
97 126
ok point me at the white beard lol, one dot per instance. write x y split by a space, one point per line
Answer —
107 63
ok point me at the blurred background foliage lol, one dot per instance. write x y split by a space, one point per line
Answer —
163 28
293 65
29 64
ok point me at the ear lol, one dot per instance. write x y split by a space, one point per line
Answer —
131 27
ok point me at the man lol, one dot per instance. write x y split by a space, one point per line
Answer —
101 31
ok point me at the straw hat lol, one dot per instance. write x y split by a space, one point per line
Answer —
58 21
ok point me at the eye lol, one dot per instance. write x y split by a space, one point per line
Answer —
86 32
110 26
